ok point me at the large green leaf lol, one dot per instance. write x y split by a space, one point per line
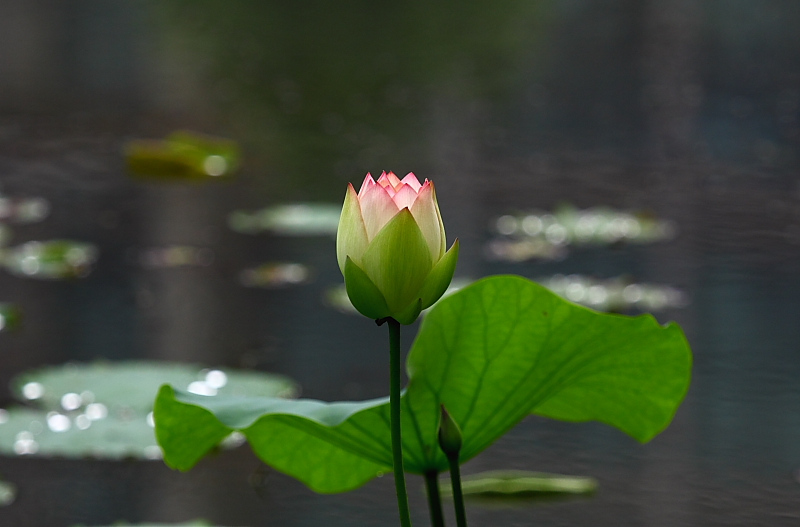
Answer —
493 352
506 347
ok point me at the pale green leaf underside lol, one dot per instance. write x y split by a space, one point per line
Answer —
492 353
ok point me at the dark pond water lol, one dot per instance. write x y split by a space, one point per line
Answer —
688 110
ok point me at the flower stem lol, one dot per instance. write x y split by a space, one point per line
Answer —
397 444
434 498
458 496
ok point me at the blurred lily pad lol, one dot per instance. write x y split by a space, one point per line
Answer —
23 210
183 156
618 294
174 256
77 435
545 235
50 260
104 410
299 219
133 385
9 316
521 483
196 523
275 275
8 492
5 234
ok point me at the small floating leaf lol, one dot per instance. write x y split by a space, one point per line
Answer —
299 219
51 260
23 210
545 235
9 316
5 235
183 156
520 482
8 492
275 274
196 523
176 256
616 294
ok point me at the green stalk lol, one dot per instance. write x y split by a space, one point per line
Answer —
458 496
434 498
397 444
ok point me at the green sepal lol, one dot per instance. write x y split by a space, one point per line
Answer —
440 277
365 296
398 261
351 234
410 314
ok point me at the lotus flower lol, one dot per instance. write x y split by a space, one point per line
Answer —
391 247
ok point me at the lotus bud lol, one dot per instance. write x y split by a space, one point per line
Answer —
391 247
449 435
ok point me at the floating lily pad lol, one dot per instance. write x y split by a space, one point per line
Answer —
103 410
521 483
197 523
5 235
300 219
77 435
614 294
8 493
9 316
275 275
23 210
50 260
545 235
176 256
133 385
183 156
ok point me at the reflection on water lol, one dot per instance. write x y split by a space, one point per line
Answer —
53 259
686 109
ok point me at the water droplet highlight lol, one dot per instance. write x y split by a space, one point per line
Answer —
201 388
96 411
32 391
58 422
216 379
71 401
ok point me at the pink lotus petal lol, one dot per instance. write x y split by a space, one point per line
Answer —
368 182
426 213
412 181
394 180
405 197
385 184
389 181
377 208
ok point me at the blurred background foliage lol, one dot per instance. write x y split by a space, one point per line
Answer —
325 91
